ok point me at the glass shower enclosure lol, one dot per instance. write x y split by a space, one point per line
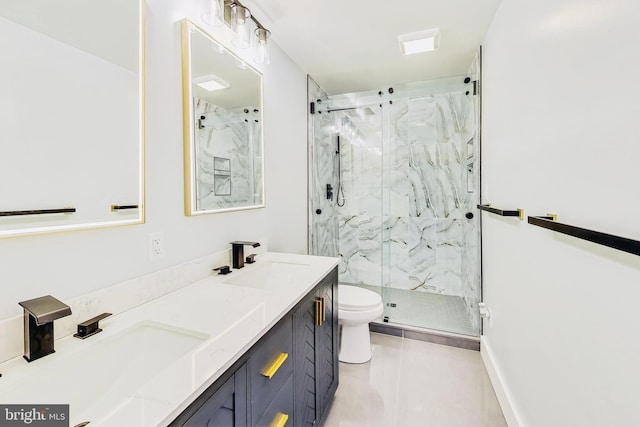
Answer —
394 184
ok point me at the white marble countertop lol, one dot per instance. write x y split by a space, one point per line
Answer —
217 322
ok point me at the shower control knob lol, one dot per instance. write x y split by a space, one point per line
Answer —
318 211
469 215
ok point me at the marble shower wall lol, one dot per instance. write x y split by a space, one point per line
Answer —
232 137
409 178
413 198
323 227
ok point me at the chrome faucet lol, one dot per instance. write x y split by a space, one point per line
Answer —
39 314
237 249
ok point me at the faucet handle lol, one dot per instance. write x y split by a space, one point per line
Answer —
224 269
90 327
250 259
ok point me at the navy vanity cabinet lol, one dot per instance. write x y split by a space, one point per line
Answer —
221 405
315 325
287 379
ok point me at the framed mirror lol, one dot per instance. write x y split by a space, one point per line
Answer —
71 114
223 143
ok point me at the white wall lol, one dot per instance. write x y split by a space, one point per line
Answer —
561 116
73 263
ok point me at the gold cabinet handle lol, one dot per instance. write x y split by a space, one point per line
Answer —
271 370
319 311
324 308
280 420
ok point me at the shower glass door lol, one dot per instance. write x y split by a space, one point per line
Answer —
346 188
402 168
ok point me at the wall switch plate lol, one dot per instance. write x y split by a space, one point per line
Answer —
156 245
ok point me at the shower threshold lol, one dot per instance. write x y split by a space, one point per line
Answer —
424 334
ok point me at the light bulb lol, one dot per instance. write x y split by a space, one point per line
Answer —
263 46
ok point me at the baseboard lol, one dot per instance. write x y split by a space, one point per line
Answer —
499 386
428 335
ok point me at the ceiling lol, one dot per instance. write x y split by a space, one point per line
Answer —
352 45
84 24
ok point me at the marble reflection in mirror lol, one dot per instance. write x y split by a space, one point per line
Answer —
223 127
71 129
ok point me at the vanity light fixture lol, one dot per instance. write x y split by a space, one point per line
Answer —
238 18
211 82
419 41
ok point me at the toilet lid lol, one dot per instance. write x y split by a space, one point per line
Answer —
355 298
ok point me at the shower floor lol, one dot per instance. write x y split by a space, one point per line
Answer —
425 310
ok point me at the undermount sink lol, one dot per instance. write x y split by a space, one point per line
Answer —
273 273
108 370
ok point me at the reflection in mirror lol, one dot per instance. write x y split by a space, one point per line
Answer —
222 101
71 134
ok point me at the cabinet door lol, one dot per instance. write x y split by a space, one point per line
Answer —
316 352
304 338
226 407
327 344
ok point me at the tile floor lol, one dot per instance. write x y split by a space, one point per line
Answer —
413 383
426 310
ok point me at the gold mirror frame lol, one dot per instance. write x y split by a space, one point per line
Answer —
190 143
30 219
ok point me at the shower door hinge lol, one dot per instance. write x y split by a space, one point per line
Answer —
312 107
475 87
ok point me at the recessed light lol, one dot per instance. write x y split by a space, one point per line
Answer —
420 41
211 82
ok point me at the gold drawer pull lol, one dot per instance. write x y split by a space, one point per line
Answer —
271 370
280 420
318 312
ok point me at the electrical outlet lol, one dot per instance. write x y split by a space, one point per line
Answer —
156 245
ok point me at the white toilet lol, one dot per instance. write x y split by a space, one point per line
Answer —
357 307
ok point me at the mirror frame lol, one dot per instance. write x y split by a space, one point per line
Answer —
141 217
189 140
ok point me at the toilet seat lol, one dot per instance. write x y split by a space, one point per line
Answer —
353 298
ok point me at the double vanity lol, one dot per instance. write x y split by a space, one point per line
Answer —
258 347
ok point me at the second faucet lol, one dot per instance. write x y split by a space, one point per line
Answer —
237 250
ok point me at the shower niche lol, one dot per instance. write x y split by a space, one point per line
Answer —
402 165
